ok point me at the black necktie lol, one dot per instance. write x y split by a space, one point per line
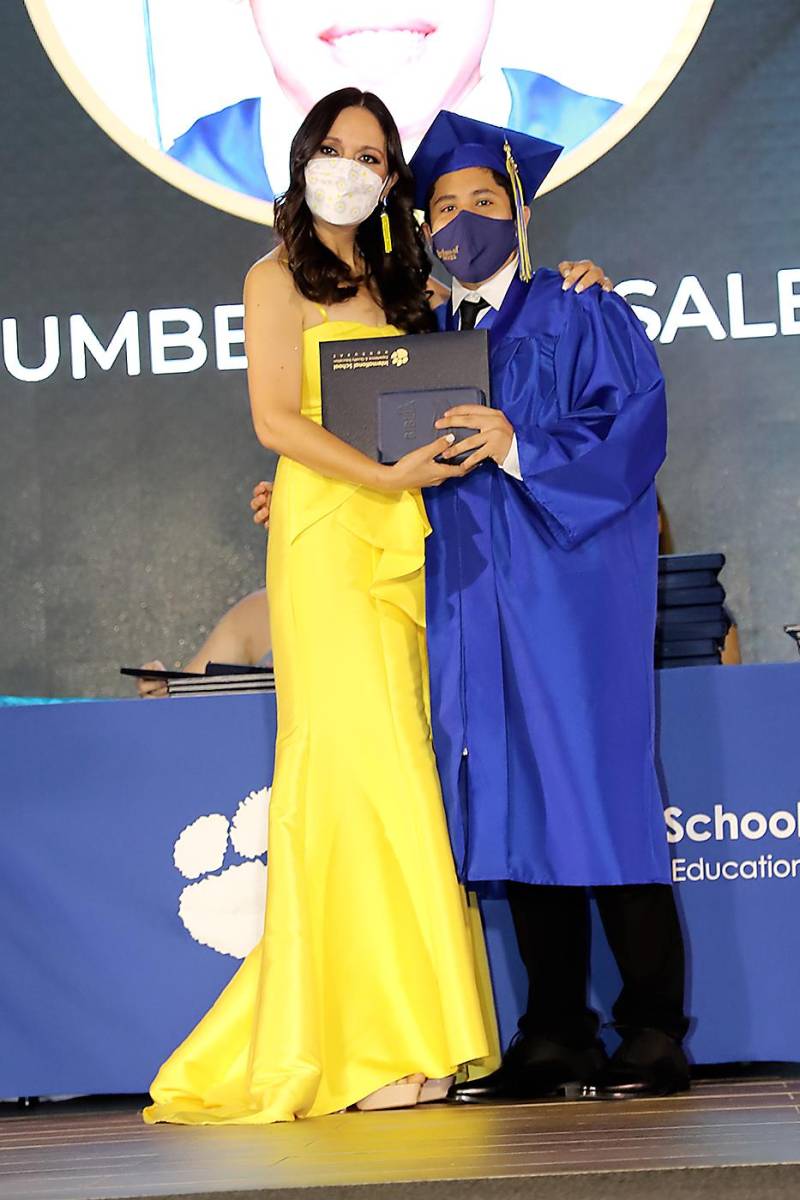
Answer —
469 310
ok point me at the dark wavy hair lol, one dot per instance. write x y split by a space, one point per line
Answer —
401 277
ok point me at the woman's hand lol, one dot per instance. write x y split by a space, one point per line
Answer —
419 468
583 274
493 439
151 689
261 503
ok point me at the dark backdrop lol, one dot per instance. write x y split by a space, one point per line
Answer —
125 530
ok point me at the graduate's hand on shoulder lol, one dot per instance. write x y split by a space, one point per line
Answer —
419 469
493 439
582 274
261 502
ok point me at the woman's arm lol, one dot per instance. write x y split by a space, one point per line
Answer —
273 326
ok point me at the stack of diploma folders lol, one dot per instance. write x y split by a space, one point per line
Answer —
232 681
219 679
692 620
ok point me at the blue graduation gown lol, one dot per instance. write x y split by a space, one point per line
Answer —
226 146
541 599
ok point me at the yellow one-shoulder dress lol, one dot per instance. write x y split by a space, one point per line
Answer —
366 971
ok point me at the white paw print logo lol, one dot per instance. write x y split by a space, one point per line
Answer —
225 908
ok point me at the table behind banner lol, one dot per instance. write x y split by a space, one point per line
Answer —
114 941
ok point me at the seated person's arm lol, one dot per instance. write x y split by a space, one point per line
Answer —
240 636
731 649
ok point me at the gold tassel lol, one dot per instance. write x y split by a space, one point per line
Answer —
525 268
387 231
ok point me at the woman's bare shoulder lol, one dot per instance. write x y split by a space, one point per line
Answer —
271 278
439 293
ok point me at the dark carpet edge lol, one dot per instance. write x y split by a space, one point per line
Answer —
774 1182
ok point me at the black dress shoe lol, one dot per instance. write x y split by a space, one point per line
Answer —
535 1068
647 1062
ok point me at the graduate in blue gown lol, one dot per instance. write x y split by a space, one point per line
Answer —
541 585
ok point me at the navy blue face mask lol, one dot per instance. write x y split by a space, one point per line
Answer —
473 247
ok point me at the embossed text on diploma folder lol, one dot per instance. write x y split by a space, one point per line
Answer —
355 372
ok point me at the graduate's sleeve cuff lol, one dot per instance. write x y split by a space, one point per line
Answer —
510 463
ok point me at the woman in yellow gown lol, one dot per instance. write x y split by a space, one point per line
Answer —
364 985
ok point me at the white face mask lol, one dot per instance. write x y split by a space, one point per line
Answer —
341 190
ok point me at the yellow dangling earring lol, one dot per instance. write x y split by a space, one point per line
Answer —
386 229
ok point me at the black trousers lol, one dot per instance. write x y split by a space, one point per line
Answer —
554 935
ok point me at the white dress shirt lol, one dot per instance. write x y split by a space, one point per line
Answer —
493 291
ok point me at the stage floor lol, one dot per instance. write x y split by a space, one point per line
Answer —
99 1148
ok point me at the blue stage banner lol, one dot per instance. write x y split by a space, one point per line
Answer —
133 874
112 813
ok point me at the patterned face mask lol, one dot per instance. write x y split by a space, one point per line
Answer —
341 190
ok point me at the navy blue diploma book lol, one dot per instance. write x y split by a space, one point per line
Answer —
384 395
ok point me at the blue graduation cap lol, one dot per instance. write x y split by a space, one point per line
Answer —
454 142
